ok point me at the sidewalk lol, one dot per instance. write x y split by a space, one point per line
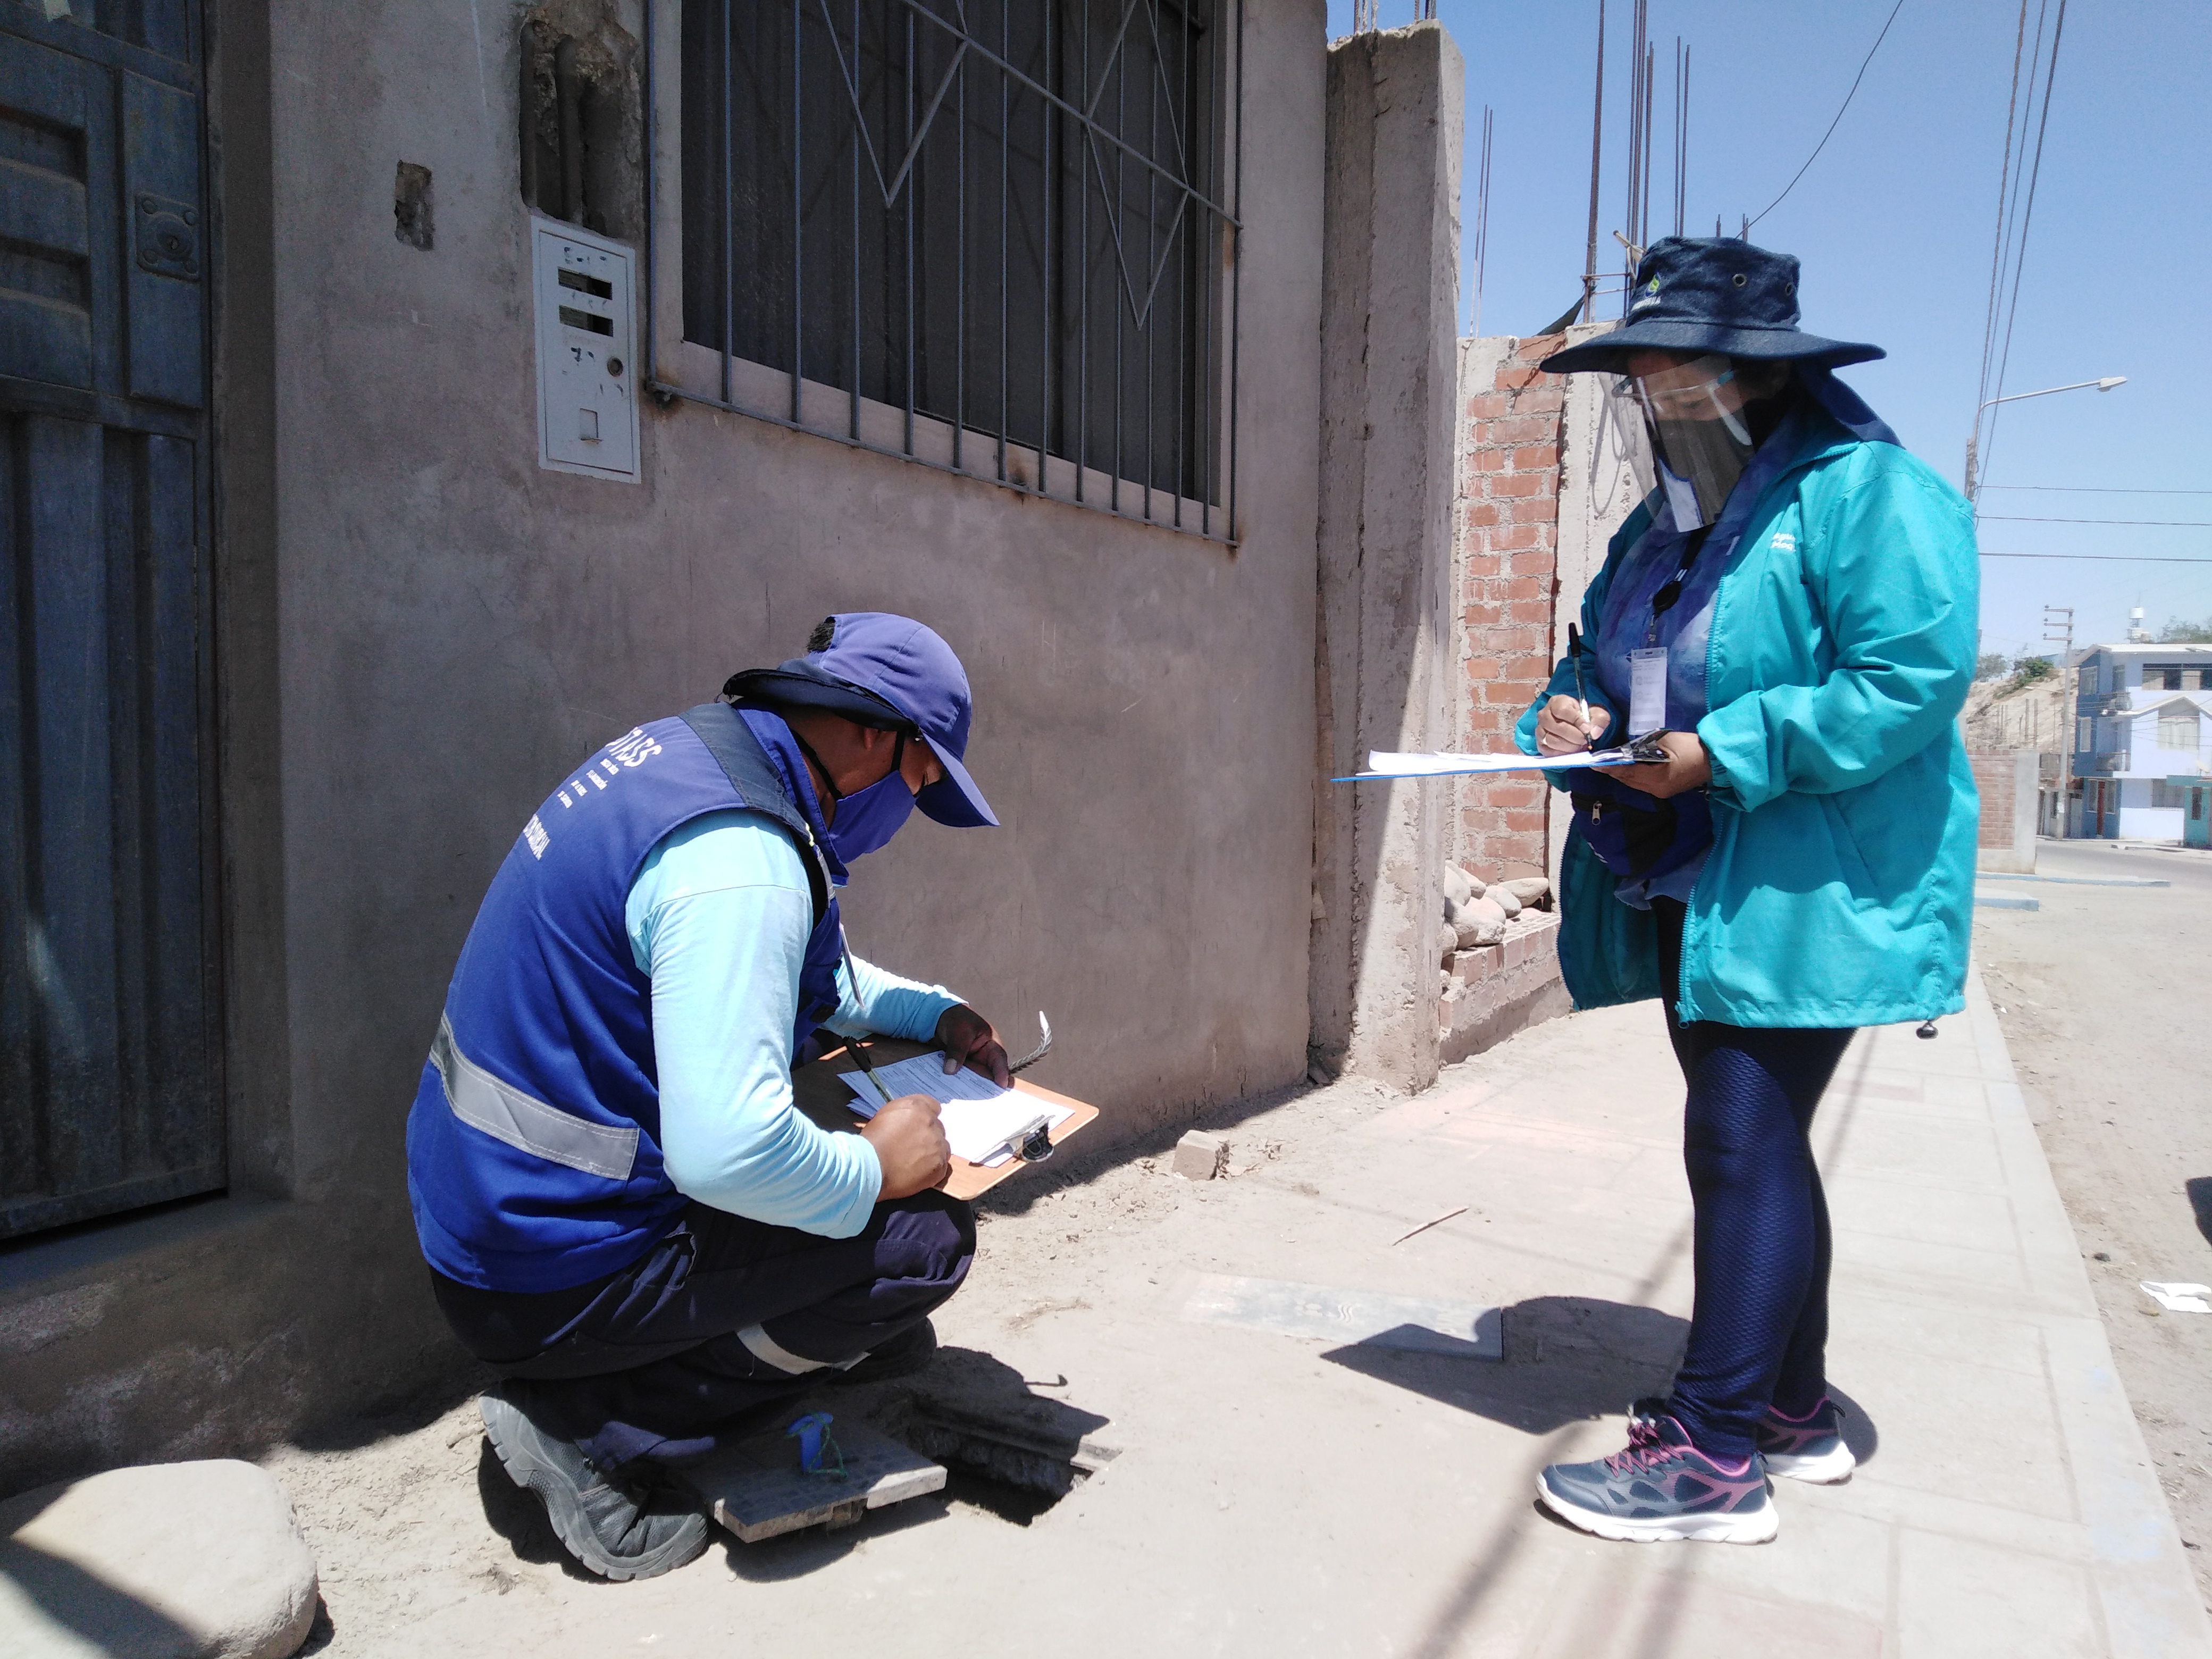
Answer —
1280 1495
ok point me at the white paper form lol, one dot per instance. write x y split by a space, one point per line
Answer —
977 1114
1382 763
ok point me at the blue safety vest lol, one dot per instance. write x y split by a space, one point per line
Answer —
533 1148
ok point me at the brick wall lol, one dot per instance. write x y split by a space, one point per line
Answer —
1994 777
1505 533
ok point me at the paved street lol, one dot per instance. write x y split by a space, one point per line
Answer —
1284 1495
2100 988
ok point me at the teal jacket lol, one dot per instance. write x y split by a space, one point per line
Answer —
1839 887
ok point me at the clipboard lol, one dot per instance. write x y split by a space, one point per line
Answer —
820 1091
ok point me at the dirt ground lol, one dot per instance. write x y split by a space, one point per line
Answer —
395 1509
2098 991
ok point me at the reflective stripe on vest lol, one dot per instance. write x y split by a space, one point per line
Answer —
506 1113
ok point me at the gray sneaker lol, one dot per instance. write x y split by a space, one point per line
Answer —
615 1530
1661 1486
1811 1449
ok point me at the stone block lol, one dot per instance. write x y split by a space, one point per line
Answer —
1480 921
1458 889
757 1489
162 1561
1198 1156
1531 891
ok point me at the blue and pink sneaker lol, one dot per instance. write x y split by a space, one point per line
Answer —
1660 1486
1809 1448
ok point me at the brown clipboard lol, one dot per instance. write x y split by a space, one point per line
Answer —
819 1091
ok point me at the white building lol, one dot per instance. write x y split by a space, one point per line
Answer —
2144 743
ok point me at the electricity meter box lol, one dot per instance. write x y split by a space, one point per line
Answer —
585 298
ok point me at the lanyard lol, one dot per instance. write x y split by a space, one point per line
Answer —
1663 600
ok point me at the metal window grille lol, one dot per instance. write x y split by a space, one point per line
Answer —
1009 230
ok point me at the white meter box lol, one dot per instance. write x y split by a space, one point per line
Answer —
586 311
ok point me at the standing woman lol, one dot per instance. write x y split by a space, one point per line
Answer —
1793 613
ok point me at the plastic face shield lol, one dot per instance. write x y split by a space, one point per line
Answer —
1693 412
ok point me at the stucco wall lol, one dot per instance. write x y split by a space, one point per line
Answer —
455 626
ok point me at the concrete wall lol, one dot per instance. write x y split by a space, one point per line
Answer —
423 629
1391 279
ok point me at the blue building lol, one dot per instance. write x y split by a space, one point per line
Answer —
2142 743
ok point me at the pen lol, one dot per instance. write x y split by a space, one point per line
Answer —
859 1052
1575 650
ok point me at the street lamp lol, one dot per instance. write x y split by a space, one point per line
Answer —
1973 437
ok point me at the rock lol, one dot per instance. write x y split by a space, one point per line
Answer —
162 1561
1480 921
1534 891
1447 936
1458 890
1475 883
1501 895
1198 1156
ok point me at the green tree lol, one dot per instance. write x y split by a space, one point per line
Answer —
2178 632
1990 664
2026 671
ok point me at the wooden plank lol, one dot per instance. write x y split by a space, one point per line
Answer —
819 1091
757 1490
73 917
46 214
162 187
121 477
22 1142
185 1100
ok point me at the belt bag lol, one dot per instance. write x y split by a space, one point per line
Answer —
1631 841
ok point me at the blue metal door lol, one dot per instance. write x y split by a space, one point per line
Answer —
108 1095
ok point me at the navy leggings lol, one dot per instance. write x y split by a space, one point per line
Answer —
1758 1332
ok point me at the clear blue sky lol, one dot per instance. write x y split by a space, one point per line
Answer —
1896 222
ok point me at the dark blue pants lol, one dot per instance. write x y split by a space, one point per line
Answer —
722 1316
1758 1332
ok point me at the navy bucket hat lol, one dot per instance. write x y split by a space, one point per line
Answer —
889 671
1714 293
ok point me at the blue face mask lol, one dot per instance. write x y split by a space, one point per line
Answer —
869 818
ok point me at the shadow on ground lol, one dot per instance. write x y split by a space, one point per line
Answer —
1568 1359
2200 1201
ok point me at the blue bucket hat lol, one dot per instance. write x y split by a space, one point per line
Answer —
1713 293
887 671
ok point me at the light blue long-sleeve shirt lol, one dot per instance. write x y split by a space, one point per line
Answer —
719 919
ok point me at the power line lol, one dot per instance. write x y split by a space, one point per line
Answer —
2026 220
2154 524
2104 558
2004 183
2096 489
1830 132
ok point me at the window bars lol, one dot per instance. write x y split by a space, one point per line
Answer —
998 238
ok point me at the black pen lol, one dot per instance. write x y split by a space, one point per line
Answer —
859 1052
1575 650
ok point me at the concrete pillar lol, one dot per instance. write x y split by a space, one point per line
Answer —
1389 310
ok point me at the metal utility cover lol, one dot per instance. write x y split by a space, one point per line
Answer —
757 1489
584 287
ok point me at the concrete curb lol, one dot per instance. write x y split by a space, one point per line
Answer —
2144 1585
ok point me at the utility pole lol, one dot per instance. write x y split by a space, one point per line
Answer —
2058 627
1597 149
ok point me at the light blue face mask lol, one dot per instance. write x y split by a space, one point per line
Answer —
867 818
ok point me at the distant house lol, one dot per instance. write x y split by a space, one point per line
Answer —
2142 743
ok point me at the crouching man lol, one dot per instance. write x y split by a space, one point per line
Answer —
620 1205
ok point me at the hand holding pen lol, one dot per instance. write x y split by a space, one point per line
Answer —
1565 723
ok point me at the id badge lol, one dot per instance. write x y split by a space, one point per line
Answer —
1647 690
